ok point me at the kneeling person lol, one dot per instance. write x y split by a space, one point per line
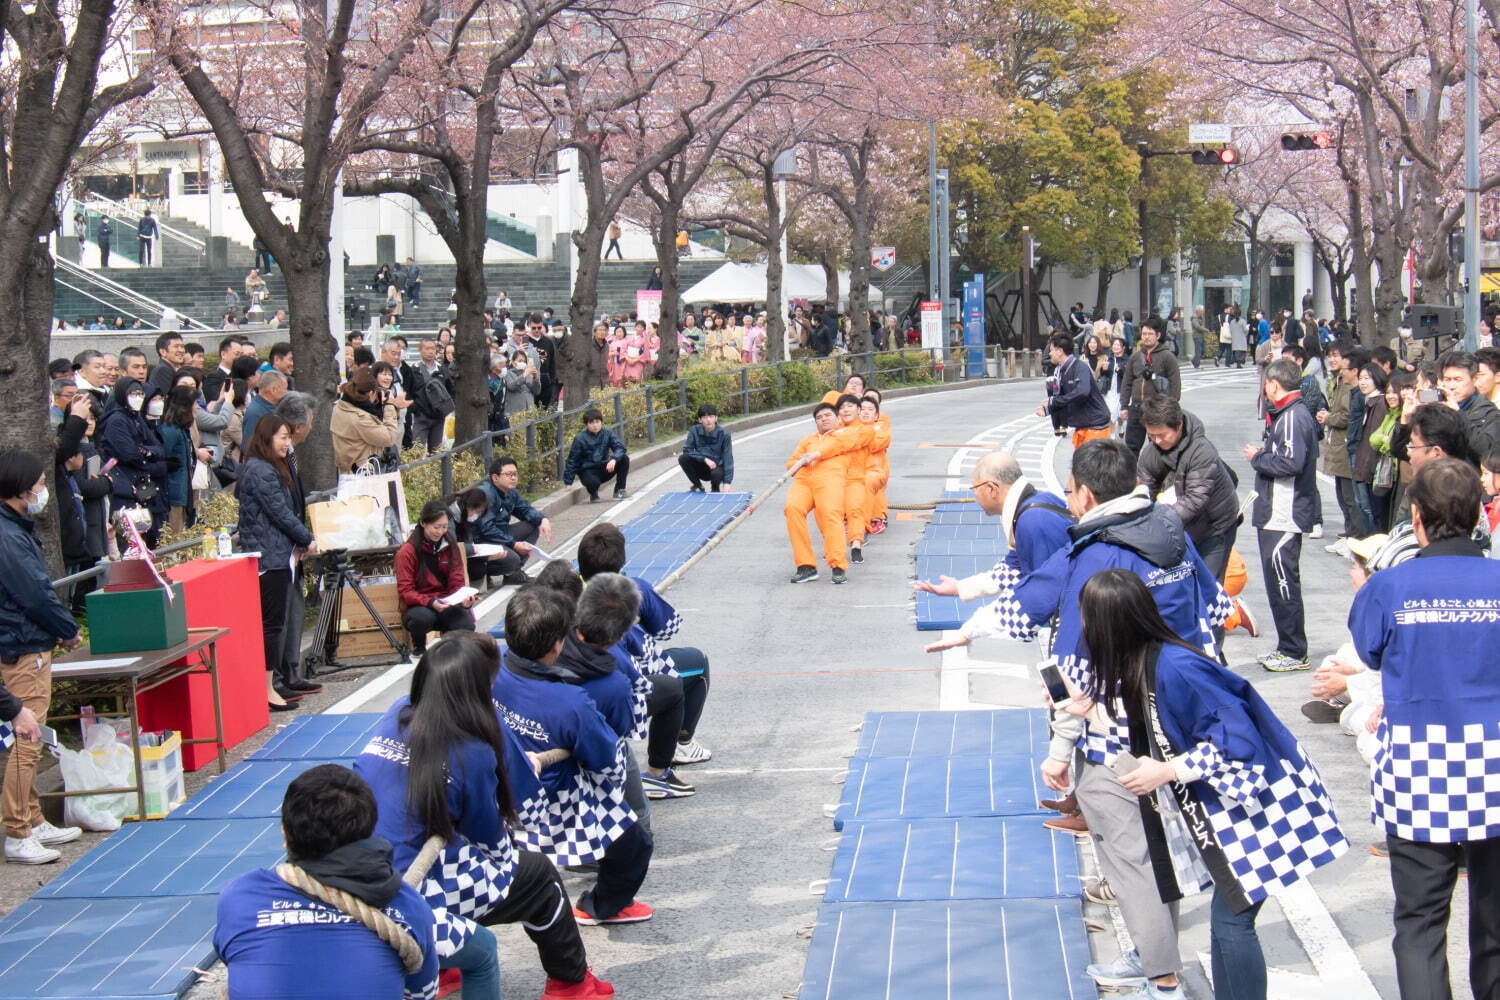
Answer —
597 456
429 568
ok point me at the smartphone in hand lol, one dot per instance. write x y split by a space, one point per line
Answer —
1125 763
1057 688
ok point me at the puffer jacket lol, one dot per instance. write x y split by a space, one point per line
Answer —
1205 487
136 446
1336 461
494 527
32 619
268 518
357 434
592 451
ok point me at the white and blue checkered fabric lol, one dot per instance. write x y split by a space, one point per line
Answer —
466 882
1289 829
1436 783
7 736
670 629
640 692
1233 779
652 660
576 824
1005 576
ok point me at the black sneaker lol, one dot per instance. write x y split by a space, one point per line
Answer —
804 574
856 554
620 494
1321 712
696 488
839 576
516 579
593 498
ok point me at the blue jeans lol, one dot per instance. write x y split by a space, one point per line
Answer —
1238 963
1373 507
479 961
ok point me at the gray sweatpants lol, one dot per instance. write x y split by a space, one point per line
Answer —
1114 818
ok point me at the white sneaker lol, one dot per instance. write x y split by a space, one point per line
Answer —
1338 548
1316 532
692 752
47 835
27 851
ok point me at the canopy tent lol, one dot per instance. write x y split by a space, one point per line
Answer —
739 284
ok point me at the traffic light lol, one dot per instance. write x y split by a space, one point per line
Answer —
1226 156
1306 140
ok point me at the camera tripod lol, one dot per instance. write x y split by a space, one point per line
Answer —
337 573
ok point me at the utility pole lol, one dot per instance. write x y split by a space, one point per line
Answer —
1028 291
1145 279
944 271
933 289
1473 266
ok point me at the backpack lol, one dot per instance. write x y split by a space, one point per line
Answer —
433 397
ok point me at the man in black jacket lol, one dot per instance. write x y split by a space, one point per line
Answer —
1286 485
427 419
1178 454
170 357
1481 418
1151 371
1077 403
596 456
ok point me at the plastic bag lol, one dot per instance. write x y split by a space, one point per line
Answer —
104 762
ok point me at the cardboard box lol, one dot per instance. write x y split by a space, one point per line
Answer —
369 642
381 590
133 621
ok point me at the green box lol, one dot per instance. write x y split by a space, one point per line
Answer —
132 621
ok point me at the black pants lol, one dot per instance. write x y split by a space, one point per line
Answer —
274 584
104 253
697 470
263 261
621 872
1280 563
145 248
1343 491
419 621
595 477
614 248
1422 876
1135 430
291 646
481 568
675 705
539 903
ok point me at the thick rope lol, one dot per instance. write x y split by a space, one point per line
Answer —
384 927
931 504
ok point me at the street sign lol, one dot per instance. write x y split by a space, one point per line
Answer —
882 258
648 305
1210 133
932 325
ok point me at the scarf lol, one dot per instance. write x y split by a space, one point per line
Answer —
362 869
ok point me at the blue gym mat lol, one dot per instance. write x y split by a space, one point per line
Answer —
954 734
674 528
320 737
105 949
939 787
252 790
1034 949
170 859
972 857
937 614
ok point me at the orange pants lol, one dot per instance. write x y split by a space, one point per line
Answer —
826 502
875 495
855 514
1084 435
1235 576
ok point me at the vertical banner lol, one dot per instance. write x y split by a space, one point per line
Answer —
648 305
974 327
932 325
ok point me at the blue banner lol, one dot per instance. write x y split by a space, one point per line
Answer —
974 327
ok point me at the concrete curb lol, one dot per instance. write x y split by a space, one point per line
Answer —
571 496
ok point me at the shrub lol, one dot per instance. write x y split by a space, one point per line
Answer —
218 510
425 482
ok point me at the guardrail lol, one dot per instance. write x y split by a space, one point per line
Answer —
92 279
119 210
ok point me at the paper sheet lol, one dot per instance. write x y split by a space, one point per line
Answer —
124 661
460 595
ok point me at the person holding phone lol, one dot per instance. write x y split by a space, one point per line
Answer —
1238 787
33 622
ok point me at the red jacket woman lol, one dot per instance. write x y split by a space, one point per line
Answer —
429 567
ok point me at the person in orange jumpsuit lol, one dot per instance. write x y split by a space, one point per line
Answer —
819 468
878 472
854 475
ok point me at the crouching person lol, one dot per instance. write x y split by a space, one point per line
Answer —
279 936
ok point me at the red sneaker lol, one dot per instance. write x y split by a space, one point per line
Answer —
591 986
876 526
637 912
450 981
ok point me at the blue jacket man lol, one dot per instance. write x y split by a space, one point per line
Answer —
596 456
495 527
707 452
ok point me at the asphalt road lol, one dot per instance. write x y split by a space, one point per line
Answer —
796 668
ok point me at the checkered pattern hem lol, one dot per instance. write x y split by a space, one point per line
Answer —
576 824
1100 746
7 736
640 691
668 630
466 882
1012 620
652 660
1290 831
1005 576
1235 780
1221 609
1436 783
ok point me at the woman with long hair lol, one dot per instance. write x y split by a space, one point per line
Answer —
429 569
179 437
269 525
1240 802
1371 491
441 764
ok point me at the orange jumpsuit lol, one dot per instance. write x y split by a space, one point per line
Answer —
819 489
854 481
878 469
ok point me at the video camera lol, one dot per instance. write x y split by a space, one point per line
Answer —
1428 322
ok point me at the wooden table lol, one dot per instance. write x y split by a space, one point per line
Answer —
76 678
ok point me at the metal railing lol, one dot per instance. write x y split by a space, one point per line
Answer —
117 209
88 283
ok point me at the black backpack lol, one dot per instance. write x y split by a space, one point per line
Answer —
433 397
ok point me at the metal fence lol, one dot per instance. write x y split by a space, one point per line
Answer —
654 411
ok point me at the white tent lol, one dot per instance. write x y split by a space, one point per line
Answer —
738 284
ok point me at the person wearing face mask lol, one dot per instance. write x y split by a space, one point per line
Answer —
133 441
32 623
522 387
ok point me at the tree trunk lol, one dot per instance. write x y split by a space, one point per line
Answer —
859 272
317 349
830 281
777 348
471 352
665 241
1101 290
574 348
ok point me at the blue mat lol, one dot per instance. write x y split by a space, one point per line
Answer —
320 737
974 857
937 614
105 949
943 547
674 528
940 787
954 734
1023 949
253 790
170 859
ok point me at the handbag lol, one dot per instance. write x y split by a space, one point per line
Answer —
201 478
145 491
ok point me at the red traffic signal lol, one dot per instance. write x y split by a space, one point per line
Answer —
1226 156
1306 140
